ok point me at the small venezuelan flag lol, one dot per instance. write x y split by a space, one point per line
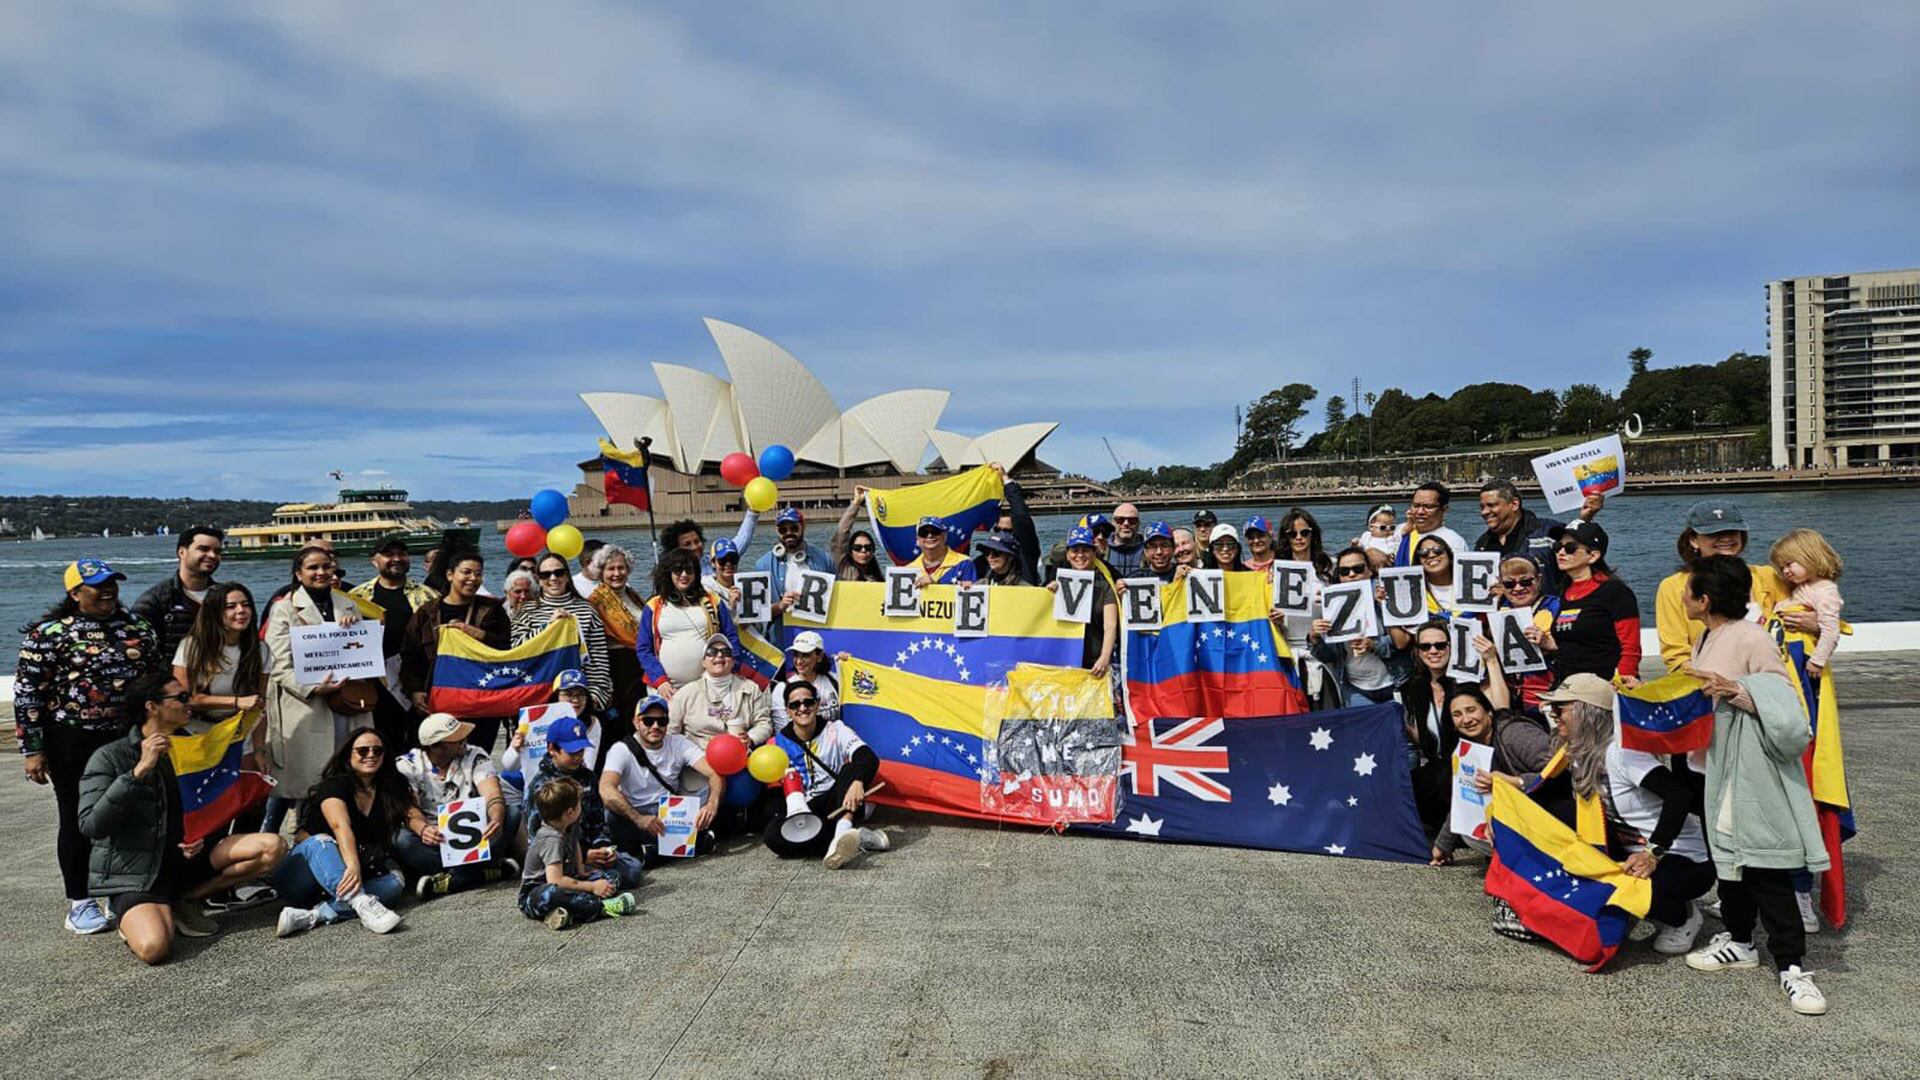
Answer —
759 660
213 788
624 476
1667 715
472 680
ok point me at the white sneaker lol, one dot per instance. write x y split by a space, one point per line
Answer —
294 920
1711 908
1722 953
844 849
1809 917
1806 998
875 840
1674 940
377 916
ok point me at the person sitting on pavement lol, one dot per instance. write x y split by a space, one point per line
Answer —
444 768
834 770
720 701
1521 748
569 756
569 687
130 808
642 771
338 866
560 887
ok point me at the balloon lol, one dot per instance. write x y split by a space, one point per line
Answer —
549 508
768 764
742 790
526 538
761 494
727 754
565 541
737 468
776 463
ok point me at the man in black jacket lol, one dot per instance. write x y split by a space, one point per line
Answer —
1512 529
130 809
171 605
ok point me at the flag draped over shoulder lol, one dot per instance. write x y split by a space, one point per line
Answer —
1667 715
624 476
1826 769
1327 783
472 680
1020 629
1563 888
1238 667
964 502
213 788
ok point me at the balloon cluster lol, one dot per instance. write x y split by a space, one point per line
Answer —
547 530
757 481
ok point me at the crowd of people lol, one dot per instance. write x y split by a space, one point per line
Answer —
363 765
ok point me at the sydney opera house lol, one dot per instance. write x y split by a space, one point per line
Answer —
772 399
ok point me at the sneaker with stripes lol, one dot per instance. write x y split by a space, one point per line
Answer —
1722 953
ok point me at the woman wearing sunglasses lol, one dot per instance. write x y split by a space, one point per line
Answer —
678 623
854 552
1364 670
1430 731
560 599
1523 585
339 864
1597 629
720 701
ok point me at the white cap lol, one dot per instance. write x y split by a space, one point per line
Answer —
807 641
1223 530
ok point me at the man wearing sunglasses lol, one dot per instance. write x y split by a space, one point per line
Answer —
1427 516
1512 529
644 769
1126 550
788 557
939 564
835 772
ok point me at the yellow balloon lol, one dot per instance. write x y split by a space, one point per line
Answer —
761 494
768 764
565 541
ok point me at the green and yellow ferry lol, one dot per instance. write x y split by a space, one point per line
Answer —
356 523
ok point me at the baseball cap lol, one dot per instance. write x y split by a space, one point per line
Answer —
720 639
651 702
807 641
1080 536
931 522
1586 533
571 679
724 550
1225 531
569 734
1582 686
1096 522
790 514
1710 516
443 727
997 541
1257 523
389 542
91 572
1158 530
1204 514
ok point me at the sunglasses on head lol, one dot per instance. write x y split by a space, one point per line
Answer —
369 751
560 573
1519 582
652 720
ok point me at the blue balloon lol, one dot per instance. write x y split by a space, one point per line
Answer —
742 789
776 463
549 508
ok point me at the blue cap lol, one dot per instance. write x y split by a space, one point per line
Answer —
651 701
1097 521
1001 542
790 514
1080 536
1158 531
931 522
571 679
91 572
1257 523
724 550
1710 516
569 734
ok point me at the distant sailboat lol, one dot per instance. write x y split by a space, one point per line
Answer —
40 533
104 533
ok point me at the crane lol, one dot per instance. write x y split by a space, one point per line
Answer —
1114 456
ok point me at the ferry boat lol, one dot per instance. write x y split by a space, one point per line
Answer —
361 518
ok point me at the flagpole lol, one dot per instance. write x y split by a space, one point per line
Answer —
646 456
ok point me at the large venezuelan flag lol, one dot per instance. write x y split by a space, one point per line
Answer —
1235 668
1562 888
1667 715
931 735
1020 629
213 788
1826 769
472 680
965 502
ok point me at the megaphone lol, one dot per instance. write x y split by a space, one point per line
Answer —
802 824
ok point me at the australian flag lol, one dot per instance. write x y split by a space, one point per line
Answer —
1329 783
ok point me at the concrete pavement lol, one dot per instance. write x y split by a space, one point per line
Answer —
979 951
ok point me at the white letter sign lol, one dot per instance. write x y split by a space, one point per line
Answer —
1140 604
1406 602
1349 607
756 597
903 595
1474 575
1073 600
816 596
1207 596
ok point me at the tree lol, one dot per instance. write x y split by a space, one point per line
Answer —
1585 408
1273 424
1336 411
1638 359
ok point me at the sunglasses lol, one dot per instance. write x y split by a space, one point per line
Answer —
1519 582
650 720
1432 646
1569 548
861 548
1126 521
555 573
725 654
1431 553
787 526
369 751
1300 534
803 705
1351 571
182 697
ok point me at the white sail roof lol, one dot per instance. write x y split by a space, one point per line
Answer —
899 421
777 398
703 414
1005 445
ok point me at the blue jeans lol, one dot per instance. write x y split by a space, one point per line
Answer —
311 876
277 809
421 859
537 901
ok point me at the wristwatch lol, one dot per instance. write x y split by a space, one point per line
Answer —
1658 852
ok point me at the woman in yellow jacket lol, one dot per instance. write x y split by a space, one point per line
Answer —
1714 527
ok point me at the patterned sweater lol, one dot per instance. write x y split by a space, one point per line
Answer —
74 672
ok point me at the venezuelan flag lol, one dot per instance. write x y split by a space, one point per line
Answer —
213 789
1561 887
1236 668
1057 751
1403 555
965 502
931 736
759 660
472 680
1826 768
1667 715
624 476
1020 629
1599 476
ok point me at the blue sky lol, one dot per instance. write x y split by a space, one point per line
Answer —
248 243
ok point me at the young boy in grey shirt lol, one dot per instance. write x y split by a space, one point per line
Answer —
556 887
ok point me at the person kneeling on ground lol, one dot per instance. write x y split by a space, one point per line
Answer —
835 770
444 769
558 888
339 858
570 757
643 770
130 808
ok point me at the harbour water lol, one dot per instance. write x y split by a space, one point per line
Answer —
1861 525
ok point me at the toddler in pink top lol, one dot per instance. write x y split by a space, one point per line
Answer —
1812 567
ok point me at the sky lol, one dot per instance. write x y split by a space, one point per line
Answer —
246 244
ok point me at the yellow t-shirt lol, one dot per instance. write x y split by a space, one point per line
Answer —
1677 632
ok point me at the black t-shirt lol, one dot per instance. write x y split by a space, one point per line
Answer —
394 628
1097 629
371 830
1585 629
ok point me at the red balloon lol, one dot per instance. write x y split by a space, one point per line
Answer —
737 469
727 754
526 538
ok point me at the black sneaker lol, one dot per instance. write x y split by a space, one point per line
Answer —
250 894
1506 923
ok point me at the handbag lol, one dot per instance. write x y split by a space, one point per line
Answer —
354 697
